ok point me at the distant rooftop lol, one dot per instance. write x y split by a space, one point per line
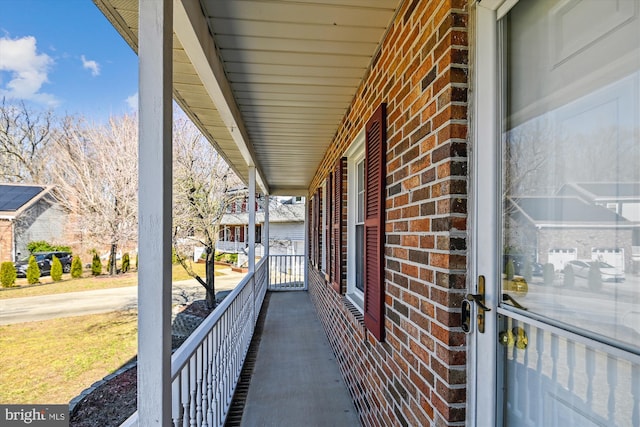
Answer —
279 213
565 210
603 191
15 196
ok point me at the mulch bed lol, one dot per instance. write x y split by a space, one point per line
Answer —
111 403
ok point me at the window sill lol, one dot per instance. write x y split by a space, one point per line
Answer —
355 309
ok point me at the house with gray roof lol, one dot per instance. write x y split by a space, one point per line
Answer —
286 228
28 213
621 197
557 229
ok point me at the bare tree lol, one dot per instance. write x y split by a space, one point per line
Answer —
96 180
202 192
25 136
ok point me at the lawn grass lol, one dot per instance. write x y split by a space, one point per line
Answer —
52 361
88 282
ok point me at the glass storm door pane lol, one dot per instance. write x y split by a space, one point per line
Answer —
570 243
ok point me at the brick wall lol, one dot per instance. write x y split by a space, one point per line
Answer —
6 240
418 375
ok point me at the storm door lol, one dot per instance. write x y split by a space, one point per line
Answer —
561 279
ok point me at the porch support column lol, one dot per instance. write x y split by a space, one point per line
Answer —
306 243
252 219
265 227
154 204
265 239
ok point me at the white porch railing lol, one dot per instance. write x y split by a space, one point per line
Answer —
286 272
206 368
228 246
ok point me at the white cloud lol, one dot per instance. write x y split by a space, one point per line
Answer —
132 102
91 65
27 68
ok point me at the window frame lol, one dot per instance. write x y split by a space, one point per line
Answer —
324 226
355 155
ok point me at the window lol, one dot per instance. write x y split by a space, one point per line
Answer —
325 225
355 221
359 226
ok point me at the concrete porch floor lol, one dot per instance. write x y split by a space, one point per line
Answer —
296 380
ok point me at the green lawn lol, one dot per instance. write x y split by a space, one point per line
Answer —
88 282
52 361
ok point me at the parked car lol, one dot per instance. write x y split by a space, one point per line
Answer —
44 260
608 272
519 262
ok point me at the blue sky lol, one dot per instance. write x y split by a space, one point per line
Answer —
64 54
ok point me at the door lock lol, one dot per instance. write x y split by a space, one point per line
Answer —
516 336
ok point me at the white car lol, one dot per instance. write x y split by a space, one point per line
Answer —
608 272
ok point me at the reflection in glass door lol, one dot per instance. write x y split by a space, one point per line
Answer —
569 320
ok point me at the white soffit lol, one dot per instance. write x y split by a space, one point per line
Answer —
287 73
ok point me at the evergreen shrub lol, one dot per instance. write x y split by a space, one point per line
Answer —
76 267
126 263
96 265
33 271
56 269
8 274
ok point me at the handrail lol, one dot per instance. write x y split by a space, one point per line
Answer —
206 368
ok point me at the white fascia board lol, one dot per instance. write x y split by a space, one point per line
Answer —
46 190
190 26
567 225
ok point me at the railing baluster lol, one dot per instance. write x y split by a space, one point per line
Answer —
199 377
540 341
192 392
571 363
285 272
590 356
184 380
176 407
554 357
210 356
635 392
206 368
612 381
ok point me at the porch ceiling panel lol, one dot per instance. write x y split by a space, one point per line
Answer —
287 71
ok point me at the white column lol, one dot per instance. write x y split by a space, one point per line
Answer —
265 227
265 239
154 203
252 219
306 243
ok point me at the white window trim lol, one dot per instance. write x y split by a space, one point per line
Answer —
323 258
354 154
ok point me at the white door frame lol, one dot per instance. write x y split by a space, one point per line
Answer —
485 216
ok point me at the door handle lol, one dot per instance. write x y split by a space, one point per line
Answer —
478 298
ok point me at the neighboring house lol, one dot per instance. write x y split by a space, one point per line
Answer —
28 213
567 228
286 228
621 197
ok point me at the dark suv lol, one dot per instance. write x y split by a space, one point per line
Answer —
44 260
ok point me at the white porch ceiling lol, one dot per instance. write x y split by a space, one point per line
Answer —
268 81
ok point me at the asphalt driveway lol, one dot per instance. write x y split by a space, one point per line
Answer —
31 309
